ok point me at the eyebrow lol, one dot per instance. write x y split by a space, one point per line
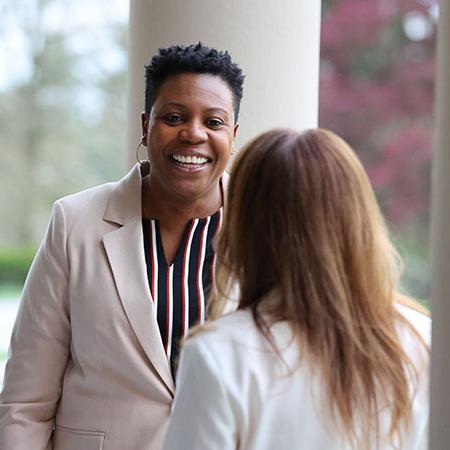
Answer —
217 109
209 110
177 105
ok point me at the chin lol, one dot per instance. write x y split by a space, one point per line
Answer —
191 191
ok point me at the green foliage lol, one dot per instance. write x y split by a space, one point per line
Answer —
412 244
14 264
62 122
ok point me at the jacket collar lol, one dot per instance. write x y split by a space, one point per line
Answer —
125 201
124 247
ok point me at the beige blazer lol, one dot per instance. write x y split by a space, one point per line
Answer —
87 369
246 398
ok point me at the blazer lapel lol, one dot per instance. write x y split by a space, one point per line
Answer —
125 249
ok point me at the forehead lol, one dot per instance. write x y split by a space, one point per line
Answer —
193 89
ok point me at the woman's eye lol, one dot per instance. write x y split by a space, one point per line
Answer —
173 119
214 123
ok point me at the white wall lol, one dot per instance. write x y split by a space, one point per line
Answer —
440 245
276 43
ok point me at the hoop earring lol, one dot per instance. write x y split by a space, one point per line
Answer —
140 161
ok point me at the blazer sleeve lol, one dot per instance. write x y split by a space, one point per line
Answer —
39 347
202 417
423 444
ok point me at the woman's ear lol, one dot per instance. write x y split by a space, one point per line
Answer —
236 127
144 126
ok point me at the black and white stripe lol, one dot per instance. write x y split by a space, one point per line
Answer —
179 290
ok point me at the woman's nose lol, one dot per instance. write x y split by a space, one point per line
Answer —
193 132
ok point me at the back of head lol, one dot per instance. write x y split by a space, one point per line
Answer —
302 220
194 58
304 201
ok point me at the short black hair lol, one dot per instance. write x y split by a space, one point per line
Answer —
194 58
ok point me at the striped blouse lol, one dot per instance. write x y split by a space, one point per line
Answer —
179 290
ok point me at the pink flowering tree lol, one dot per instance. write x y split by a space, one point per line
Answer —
376 90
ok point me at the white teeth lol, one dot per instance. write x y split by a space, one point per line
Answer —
190 159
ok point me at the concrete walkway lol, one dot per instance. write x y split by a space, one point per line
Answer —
8 312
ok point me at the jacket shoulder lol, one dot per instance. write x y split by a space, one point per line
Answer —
234 326
87 205
419 320
79 200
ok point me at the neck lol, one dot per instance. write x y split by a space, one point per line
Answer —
161 205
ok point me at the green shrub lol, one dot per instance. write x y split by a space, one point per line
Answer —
14 264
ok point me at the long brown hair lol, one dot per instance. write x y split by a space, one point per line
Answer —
302 220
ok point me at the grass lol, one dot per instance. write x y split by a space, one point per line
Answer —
9 291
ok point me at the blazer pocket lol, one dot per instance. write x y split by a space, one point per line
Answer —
65 438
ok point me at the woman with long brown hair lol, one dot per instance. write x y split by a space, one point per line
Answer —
323 352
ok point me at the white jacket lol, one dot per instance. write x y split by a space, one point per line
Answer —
234 393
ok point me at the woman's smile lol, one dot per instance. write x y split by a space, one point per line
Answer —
189 161
189 166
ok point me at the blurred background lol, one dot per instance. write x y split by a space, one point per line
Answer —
63 109
62 120
377 74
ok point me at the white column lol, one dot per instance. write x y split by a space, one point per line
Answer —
276 43
440 245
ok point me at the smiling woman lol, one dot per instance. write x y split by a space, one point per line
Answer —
123 272
189 132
